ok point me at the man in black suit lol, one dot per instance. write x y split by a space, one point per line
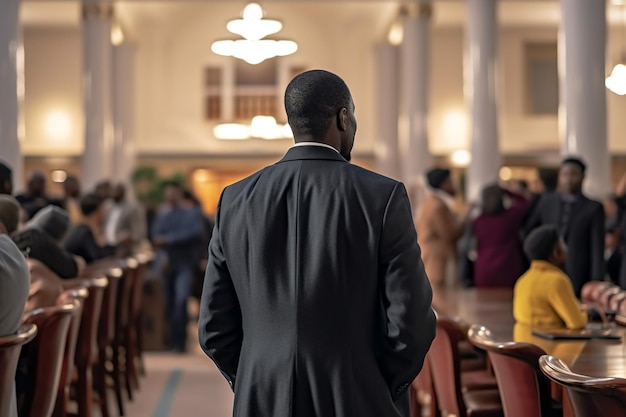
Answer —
579 220
315 300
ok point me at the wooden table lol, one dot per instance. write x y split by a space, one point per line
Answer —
493 308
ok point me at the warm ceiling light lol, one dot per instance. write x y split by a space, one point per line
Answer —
117 35
262 127
254 52
58 126
461 158
616 82
58 175
253 28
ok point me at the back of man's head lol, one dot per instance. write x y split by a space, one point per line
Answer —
9 213
312 99
540 244
6 179
90 203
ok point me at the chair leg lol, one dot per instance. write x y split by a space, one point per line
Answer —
101 378
129 388
60 407
117 383
139 330
84 391
131 354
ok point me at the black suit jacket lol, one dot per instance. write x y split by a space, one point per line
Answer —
584 236
315 300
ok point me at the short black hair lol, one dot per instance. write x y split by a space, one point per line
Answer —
437 176
541 242
188 195
312 99
575 161
549 178
90 203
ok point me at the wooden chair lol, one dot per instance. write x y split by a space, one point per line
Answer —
445 361
106 334
75 296
524 390
133 329
87 349
44 359
590 396
591 291
10 347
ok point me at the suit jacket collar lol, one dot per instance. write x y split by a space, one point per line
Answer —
312 152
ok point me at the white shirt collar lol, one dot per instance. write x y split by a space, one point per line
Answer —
323 145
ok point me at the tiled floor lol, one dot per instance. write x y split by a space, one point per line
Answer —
178 385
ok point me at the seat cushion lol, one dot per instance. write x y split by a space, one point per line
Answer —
485 403
478 380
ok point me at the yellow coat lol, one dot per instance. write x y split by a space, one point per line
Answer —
544 298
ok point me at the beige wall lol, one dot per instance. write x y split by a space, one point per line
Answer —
53 112
173 48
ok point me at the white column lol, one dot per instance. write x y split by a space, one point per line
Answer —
582 112
124 112
11 89
481 95
414 93
387 155
98 92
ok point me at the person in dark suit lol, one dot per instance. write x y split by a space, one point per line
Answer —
578 219
315 300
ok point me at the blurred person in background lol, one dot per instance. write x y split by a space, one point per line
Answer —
42 239
438 227
125 226
191 202
71 199
180 232
6 179
578 219
87 240
14 278
35 198
543 298
499 255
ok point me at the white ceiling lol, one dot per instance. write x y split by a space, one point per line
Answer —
446 12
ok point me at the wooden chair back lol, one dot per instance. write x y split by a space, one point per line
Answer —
524 390
10 347
75 296
445 367
590 396
44 358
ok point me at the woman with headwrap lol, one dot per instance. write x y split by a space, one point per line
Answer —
41 240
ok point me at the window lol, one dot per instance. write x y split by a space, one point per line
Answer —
542 78
213 88
255 91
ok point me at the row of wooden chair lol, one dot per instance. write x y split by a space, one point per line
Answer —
606 296
81 347
522 372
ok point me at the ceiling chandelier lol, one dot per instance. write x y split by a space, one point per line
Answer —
253 28
616 82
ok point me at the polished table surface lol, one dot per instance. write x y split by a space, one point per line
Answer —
493 308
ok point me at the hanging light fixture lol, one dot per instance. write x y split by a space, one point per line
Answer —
616 82
260 127
253 28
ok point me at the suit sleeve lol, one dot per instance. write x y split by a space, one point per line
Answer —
597 244
406 297
219 327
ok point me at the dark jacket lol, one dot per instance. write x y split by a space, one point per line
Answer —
584 236
38 245
82 242
315 300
